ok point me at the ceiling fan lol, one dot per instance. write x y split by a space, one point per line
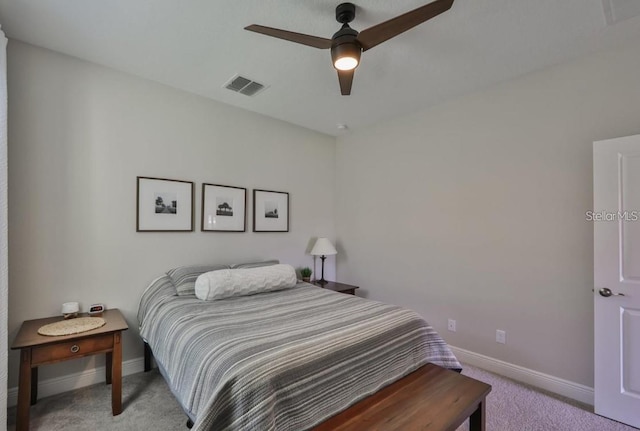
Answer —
347 44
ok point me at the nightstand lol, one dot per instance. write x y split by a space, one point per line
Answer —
337 287
36 350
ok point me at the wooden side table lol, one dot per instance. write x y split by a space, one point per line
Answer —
36 350
338 287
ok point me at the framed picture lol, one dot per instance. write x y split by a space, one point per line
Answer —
270 211
224 208
164 205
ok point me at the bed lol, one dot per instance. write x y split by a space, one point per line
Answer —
283 360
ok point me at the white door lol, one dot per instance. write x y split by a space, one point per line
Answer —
616 204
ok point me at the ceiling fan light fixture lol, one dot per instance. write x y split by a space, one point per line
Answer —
348 44
346 56
346 63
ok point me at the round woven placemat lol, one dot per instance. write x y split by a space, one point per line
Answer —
71 326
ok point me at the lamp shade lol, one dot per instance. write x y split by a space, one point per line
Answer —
323 247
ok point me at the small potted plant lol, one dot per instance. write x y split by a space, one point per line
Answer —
305 273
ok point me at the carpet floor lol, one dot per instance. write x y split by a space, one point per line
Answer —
149 405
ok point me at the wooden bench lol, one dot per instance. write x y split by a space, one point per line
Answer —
431 398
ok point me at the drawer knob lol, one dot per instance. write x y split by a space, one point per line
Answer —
75 348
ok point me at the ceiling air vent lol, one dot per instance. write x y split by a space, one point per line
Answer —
243 85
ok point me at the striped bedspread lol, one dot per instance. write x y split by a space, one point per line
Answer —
284 360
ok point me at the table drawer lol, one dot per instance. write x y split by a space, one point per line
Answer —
72 349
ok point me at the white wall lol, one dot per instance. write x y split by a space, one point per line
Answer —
79 134
475 210
4 275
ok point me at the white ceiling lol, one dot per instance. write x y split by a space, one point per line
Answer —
197 45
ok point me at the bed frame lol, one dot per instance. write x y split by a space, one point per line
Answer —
148 354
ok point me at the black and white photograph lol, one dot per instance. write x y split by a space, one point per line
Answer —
224 208
164 205
270 211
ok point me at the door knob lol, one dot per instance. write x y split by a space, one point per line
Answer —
606 292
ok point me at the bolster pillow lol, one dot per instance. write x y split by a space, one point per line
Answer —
226 283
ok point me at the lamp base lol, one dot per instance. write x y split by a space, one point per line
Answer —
322 281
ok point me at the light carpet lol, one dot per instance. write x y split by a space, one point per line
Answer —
149 405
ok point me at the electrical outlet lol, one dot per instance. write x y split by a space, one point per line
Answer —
501 336
451 326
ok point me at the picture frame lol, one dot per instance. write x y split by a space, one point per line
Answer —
224 208
270 211
164 205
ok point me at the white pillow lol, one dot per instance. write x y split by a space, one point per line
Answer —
225 283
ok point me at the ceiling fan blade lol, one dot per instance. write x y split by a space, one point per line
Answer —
346 78
305 39
386 30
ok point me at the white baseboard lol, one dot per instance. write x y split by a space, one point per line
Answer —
559 386
75 381
553 384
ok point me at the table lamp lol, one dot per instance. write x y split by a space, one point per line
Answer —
323 248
